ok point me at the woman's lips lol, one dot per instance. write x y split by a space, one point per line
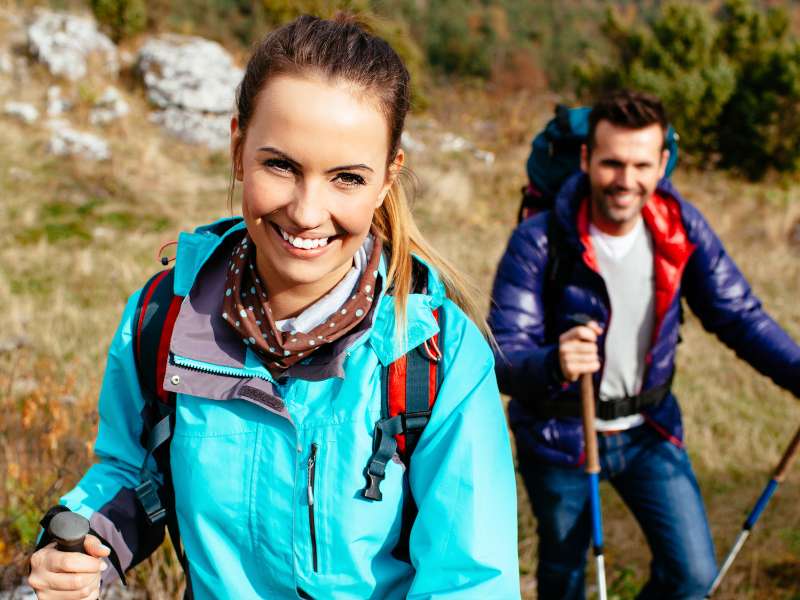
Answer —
302 247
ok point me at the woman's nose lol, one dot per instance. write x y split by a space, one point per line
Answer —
307 207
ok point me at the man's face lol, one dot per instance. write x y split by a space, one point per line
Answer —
624 168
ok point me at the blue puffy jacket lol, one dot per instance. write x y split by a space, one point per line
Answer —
252 456
690 262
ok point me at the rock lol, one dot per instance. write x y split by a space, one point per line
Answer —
22 592
114 591
24 386
66 141
65 43
411 143
108 107
189 73
209 130
194 81
451 142
56 105
21 110
454 143
13 343
6 64
484 156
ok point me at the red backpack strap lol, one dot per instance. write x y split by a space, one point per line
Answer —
155 317
409 388
154 322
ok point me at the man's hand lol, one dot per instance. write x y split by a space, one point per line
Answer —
68 575
577 351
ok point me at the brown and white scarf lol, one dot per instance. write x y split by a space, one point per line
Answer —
246 309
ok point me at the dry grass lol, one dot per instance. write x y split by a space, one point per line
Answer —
79 238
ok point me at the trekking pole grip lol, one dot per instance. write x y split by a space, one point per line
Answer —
787 458
69 530
588 412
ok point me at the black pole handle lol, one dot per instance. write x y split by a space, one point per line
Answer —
69 530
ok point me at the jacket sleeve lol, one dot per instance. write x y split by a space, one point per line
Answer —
463 543
105 495
720 296
526 366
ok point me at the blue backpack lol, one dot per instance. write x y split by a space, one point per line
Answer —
556 154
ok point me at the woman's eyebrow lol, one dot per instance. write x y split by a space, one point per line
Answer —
361 167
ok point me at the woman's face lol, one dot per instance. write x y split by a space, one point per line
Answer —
313 169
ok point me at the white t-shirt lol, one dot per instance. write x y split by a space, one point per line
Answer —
626 264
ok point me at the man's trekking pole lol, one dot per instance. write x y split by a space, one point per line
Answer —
69 530
778 476
593 470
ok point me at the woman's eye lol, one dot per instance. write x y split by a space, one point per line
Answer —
350 179
279 164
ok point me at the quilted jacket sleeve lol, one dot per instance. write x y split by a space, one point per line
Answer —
720 296
526 366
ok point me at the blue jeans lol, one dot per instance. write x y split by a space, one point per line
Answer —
655 479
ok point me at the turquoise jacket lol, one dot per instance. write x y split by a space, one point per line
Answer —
250 454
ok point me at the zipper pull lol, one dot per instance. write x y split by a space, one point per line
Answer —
312 461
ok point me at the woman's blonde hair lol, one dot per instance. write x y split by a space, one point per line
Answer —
343 49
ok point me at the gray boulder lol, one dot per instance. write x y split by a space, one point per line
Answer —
193 81
66 141
65 43
190 73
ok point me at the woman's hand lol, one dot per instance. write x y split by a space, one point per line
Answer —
57 575
577 351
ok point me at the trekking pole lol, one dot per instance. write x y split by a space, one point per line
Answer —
778 476
69 530
593 470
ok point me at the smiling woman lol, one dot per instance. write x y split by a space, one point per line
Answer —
281 455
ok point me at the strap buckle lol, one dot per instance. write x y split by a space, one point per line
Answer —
147 495
415 421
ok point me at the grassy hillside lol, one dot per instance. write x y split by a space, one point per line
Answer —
80 237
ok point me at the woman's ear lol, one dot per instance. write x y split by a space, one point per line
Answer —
391 175
236 145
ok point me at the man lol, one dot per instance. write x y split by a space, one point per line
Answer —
626 248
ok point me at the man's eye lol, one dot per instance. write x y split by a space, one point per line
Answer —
279 164
350 179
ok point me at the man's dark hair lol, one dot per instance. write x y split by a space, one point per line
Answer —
627 108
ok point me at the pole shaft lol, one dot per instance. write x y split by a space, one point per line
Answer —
728 561
590 437
787 458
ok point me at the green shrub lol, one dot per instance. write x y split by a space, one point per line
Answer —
729 80
123 18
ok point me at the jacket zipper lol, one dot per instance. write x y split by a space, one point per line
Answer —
312 468
194 365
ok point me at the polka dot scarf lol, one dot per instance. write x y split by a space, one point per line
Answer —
246 308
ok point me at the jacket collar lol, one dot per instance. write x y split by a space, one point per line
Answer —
201 334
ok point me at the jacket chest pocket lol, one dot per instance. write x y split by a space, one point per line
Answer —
212 457
341 526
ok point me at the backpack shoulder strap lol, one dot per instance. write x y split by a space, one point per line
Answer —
154 321
409 387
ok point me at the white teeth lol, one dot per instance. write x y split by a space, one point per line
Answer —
304 243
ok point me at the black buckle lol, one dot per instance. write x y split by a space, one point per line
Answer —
373 489
147 494
415 421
